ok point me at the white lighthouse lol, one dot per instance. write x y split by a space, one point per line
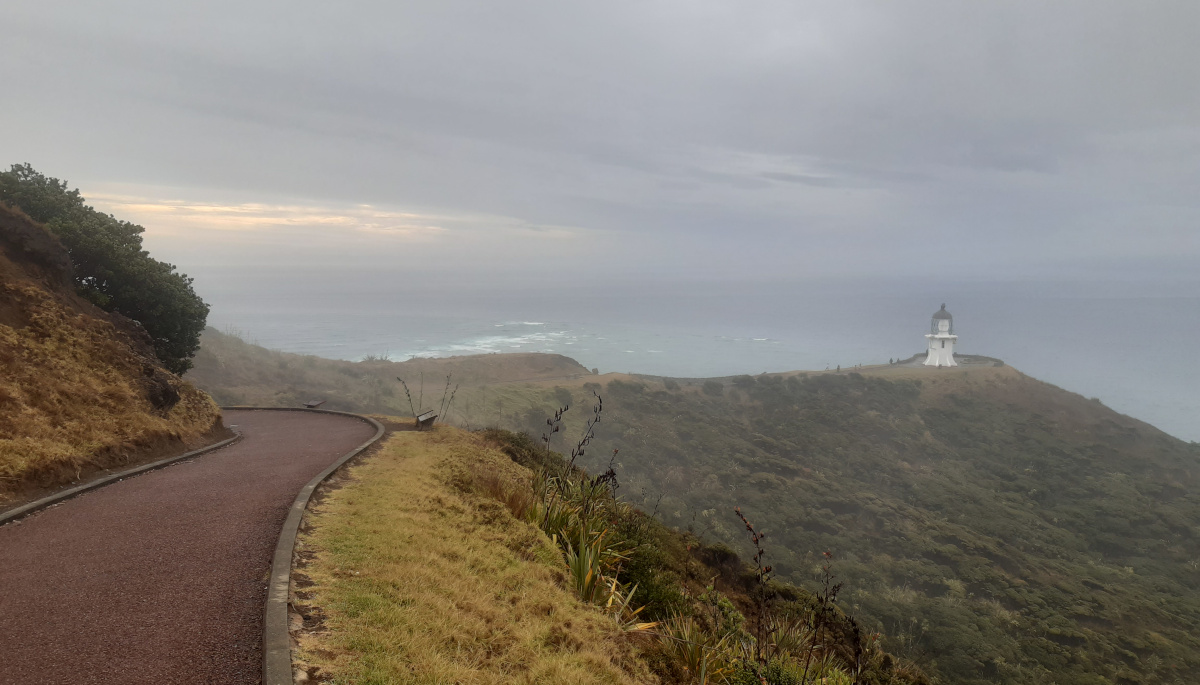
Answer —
941 339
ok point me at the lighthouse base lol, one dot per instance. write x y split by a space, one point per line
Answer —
940 357
941 350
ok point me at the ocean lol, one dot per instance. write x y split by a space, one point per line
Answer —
1130 346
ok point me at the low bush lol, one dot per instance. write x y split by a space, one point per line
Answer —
110 267
692 598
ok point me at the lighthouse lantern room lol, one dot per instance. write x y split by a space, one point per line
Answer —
941 339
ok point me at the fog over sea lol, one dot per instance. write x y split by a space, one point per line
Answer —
1128 345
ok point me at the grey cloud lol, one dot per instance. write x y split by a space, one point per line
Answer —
1013 127
818 181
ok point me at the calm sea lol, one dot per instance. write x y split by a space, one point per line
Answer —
1130 346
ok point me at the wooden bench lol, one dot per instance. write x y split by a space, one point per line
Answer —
425 420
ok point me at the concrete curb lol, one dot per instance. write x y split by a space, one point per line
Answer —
37 505
277 642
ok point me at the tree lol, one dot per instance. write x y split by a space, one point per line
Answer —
111 268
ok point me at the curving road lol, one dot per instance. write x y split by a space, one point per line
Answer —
162 578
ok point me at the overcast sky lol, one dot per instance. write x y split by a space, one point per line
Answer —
987 140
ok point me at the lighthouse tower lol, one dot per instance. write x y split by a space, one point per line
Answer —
941 339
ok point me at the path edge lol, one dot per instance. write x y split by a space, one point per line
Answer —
277 641
37 505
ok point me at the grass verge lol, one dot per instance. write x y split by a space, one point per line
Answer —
417 578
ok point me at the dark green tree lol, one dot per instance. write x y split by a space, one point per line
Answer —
111 268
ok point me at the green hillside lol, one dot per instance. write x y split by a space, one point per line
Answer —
1037 536
995 528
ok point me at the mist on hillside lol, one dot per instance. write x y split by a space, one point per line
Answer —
820 174
1077 336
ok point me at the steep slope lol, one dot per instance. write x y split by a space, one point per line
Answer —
456 579
80 389
999 529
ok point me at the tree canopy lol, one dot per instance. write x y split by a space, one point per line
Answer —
111 268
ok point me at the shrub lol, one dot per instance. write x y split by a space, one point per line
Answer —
716 619
110 267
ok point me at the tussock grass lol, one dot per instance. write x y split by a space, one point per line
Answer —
73 392
424 577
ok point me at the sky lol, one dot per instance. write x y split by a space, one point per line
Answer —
1009 141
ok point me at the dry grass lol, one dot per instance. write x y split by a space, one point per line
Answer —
238 372
73 392
423 577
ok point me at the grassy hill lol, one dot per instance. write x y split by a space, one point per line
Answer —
461 557
237 372
995 528
80 389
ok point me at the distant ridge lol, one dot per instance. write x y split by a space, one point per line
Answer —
237 372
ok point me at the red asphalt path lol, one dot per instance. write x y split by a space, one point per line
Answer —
162 578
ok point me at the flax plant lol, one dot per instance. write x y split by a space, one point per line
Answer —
620 605
704 656
408 395
571 509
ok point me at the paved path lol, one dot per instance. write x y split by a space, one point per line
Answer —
162 578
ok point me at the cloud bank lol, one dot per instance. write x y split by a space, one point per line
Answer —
775 139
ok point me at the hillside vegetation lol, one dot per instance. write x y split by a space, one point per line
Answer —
110 268
80 389
237 372
458 557
421 581
994 528
997 529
